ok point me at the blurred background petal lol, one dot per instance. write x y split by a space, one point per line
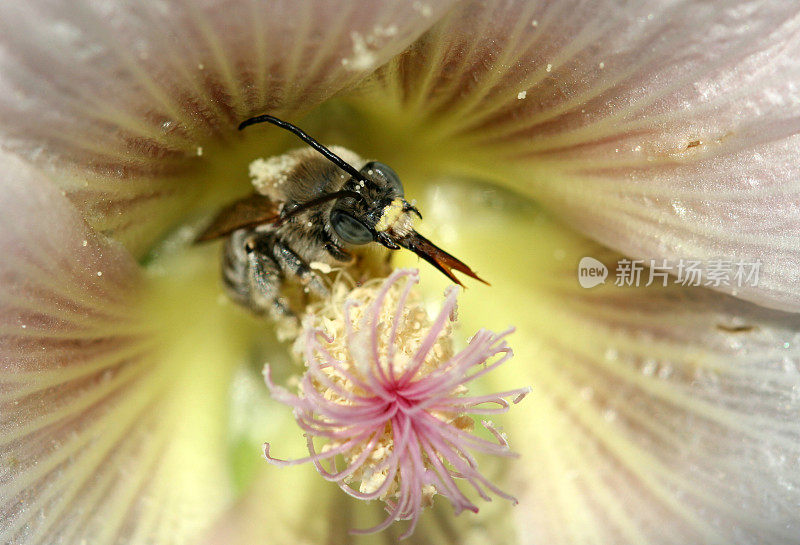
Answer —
661 129
112 429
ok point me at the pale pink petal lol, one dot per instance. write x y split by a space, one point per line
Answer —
101 441
666 416
121 97
662 129
658 415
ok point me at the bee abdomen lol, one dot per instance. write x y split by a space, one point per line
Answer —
234 268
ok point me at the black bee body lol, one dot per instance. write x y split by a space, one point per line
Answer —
308 213
258 260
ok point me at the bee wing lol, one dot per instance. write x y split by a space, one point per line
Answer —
250 211
437 257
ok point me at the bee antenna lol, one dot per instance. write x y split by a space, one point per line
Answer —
320 200
332 157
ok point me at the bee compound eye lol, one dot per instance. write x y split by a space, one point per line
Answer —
386 174
349 228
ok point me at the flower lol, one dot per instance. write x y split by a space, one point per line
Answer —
532 134
387 393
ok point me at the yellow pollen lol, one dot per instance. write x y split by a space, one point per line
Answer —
390 215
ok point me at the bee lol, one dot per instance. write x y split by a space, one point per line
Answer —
314 211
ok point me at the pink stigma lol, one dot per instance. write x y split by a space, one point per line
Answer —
383 402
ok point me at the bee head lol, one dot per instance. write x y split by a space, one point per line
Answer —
380 214
371 207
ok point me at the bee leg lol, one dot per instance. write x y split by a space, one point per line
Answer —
291 263
250 274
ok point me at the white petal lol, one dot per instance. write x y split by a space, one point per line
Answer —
658 415
124 96
106 434
662 129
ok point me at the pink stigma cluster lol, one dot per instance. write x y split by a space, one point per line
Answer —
383 401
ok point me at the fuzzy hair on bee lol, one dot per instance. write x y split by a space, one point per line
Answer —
314 205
